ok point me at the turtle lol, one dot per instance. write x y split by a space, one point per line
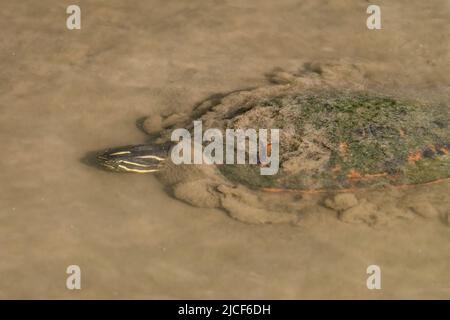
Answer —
345 151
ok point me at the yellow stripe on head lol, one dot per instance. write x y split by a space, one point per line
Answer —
137 170
137 164
120 153
151 157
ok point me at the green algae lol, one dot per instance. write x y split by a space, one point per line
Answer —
368 141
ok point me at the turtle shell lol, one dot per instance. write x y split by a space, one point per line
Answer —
336 136
347 140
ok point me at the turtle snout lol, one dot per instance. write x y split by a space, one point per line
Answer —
105 162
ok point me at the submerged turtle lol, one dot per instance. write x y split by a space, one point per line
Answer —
333 139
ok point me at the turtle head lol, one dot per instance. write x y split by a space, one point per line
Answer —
142 158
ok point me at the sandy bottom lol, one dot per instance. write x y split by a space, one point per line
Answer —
65 93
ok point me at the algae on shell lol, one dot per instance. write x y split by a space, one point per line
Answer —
336 135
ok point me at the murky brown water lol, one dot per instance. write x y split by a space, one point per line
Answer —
64 93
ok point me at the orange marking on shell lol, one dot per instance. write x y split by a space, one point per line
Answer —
269 149
414 157
353 174
445 150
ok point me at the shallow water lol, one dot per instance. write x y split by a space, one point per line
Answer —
65 93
